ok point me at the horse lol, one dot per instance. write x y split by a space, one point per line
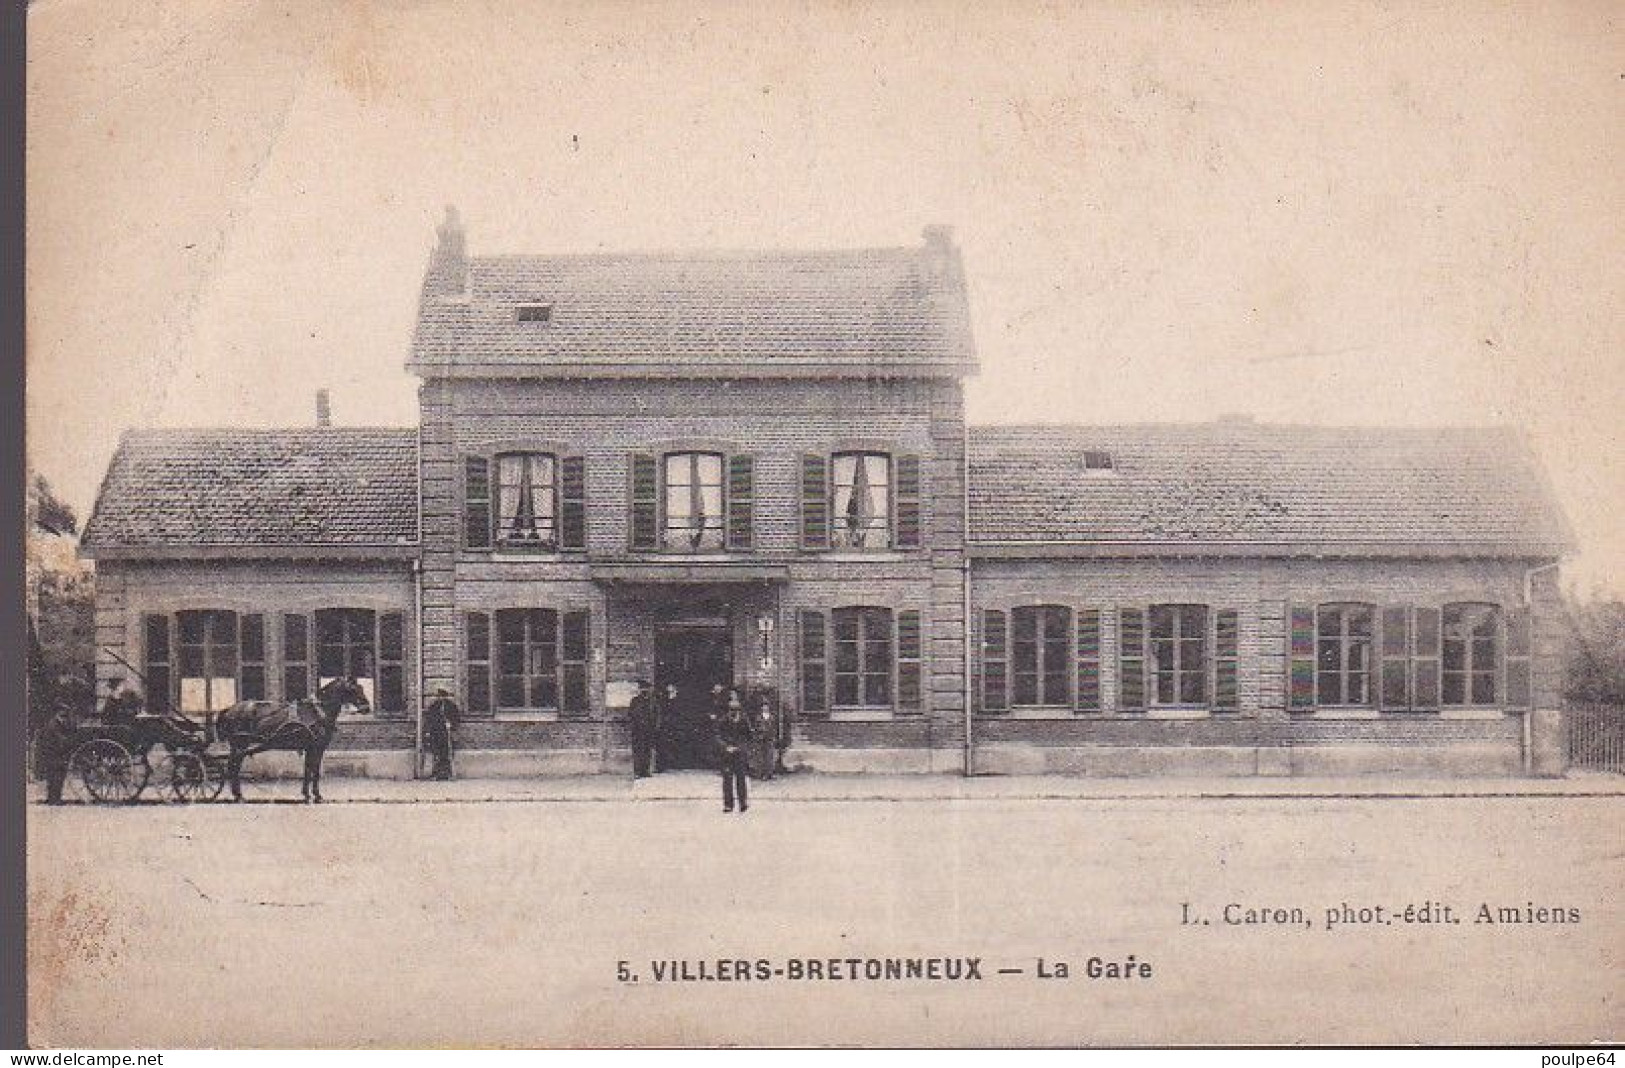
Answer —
305 726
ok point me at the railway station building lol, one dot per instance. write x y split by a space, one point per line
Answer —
754 470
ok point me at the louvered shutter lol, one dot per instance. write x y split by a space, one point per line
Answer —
814 501
476 502
995 662
1300 674
814 664
909 513
573 643
1395 639
573 502
741 503
1131 660
644 520
1425 660
156 655
392 662
1518 688
251 657
477 663
1087 692
1226 660
909 648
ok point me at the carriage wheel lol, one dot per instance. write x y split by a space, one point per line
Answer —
192 778
109 773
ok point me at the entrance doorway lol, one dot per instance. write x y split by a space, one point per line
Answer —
692 659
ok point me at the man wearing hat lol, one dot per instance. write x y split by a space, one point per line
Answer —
643 719
121 705
439 728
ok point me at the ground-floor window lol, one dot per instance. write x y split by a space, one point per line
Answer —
529 660
206 648
1407 658
861 659
1179 663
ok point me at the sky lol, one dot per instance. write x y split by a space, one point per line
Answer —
1351 213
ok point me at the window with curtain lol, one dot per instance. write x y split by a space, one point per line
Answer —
347 647
861 505
527 500
207 655
694 517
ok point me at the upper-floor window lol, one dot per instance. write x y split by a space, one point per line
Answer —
1343 642
527 499
1178 644
693 517
1470 654
1041 665
524 500
861 500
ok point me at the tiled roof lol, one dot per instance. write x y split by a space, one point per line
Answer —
900 308
1240 482
333 487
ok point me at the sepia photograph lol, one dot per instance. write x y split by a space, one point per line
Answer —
824 524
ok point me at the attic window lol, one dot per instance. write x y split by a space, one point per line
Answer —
1097 461
535 313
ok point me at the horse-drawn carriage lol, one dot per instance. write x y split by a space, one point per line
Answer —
114 761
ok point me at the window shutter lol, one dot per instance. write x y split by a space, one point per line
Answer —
909 521
995 662
1425 662
573 644
251 657
1518 692
157 662
477 663
1395 639
1131 660
295 657
909 696
1300 672
476 502
740 503
814 665
814 501
573 502
392 663
645 518
1088 688
1226 660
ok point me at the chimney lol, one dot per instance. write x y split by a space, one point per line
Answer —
448 263
324 409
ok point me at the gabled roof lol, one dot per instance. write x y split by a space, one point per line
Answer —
864 312
1246 487
324 491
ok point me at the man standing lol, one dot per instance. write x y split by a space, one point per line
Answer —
733 736
440 721
643 718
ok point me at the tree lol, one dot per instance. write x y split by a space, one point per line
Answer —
1596 660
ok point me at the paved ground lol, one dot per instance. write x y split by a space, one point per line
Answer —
504 923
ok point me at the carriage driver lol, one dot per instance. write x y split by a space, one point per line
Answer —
122 704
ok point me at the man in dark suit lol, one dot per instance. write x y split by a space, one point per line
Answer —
734 734
643 719
440 721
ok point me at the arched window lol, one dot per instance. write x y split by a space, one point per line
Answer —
1343 655
527 500
1041 656
862 503
694 517
1470 654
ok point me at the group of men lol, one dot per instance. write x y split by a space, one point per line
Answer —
733 728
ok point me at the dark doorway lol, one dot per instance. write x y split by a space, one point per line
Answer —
690 659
